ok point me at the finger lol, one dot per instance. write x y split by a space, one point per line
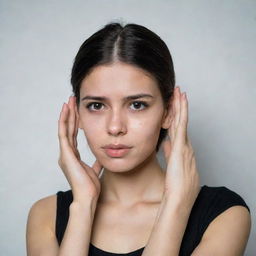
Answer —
76 125
167 146
76 132
97 167
177 106
176 114
182 127
172 114
65 148
189 143
71 121
62 127
73 125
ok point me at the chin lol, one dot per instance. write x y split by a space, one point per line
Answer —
124 164
118 165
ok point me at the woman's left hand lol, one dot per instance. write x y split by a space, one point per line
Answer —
182 183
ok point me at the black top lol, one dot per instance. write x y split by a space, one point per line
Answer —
210 202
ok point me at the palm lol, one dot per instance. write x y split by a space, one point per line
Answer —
182 179
82 178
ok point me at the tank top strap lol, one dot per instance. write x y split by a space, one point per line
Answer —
64 199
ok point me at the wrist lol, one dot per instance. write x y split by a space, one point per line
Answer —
176 206
83 207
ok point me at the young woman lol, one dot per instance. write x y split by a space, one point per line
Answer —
127 105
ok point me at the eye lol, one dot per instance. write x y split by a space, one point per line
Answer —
139 104
95 104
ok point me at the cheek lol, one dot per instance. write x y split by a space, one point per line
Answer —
148 126
145 133
93 133
145 129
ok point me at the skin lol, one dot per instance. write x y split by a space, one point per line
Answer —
137 176
131 180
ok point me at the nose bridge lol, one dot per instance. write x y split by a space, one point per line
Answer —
116 121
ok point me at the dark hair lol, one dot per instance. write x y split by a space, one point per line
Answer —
132 44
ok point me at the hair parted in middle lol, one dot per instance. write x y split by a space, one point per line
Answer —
131 44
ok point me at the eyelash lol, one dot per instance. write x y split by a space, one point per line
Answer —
140 102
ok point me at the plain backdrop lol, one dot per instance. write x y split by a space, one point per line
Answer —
213 48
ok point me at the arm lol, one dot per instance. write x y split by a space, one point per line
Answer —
85 186
83 180
168 230
40 234
227 234
181 182
77 236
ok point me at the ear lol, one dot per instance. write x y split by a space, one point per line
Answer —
167 117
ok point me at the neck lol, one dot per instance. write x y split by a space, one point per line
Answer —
143 184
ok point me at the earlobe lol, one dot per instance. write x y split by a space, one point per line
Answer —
167 123
167 120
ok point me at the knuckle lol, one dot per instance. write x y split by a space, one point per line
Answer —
184 121
60 135
186 150
60 162
191 153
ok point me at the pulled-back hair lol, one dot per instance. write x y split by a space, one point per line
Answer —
132 44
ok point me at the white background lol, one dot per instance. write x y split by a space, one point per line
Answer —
213 49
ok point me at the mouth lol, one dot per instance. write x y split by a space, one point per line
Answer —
116 152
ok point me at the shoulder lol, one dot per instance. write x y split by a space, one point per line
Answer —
227 222
40 229
218 199
214 201
41 223
43 212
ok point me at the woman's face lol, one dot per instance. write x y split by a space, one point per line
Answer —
122 115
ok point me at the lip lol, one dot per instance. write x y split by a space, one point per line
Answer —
116 150
116 146
112 152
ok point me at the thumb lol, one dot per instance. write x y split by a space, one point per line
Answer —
97 167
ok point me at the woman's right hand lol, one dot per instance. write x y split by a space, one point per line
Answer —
82 178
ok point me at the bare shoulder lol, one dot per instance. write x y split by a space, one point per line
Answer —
236 218
227 234
45 211
40 231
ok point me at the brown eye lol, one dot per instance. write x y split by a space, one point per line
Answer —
96 105
138 104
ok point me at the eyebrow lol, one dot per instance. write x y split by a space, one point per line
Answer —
131 97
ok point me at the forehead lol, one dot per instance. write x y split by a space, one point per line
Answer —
118 78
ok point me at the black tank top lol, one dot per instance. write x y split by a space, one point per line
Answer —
210 202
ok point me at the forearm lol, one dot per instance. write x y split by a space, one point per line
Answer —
168 229
77 235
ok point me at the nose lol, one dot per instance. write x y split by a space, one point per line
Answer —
116 124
